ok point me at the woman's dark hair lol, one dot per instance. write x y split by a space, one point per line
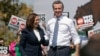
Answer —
30 20
57 2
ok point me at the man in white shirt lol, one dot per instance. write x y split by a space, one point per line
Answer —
65 31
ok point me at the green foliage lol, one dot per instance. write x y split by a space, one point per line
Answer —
7 35
8 8
13 7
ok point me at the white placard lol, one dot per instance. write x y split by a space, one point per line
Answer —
17 22
94 31
3 50
85 21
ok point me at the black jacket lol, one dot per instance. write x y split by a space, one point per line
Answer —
29 44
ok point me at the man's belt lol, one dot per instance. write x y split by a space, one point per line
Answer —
59 47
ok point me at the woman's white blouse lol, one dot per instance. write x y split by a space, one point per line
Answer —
37 34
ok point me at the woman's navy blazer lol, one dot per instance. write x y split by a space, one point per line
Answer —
29 44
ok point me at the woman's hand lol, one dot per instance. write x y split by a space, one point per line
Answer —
44 50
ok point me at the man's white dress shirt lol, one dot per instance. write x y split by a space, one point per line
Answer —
66 31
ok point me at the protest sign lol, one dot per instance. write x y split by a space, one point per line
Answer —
93 31
3 50
85 21
17 22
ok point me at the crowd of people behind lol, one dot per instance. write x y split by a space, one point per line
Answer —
59 39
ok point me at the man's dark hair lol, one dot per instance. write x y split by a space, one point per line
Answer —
58 2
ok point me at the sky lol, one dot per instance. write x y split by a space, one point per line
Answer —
29 2
45 6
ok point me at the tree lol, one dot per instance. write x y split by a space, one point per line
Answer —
12 7
8 8
24 10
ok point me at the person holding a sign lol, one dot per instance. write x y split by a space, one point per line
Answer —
92 48
14 45
1 42
32 37
3 48
60 30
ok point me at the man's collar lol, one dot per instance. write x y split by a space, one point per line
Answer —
58 17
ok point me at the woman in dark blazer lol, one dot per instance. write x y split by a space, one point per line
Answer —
32 37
